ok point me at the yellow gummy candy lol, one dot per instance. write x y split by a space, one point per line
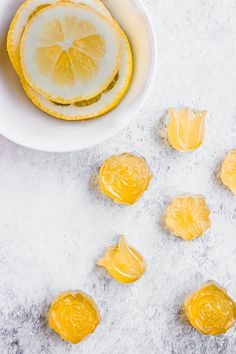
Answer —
210 310
123 262
187 216
228 171
74 315
186 129
124 178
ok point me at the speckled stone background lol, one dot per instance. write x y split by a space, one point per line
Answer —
54 226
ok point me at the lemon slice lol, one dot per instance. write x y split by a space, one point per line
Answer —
69 52
25 12
97 106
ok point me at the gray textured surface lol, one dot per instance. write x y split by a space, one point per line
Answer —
54 226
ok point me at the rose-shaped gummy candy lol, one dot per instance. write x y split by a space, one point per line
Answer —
74 316
124 178
210 310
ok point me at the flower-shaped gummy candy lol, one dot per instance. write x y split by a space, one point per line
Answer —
186 129
187 216
74 316
124 178
210 310
123 262
228 171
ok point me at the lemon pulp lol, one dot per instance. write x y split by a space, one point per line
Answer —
69 52
26 11
98 105
92 107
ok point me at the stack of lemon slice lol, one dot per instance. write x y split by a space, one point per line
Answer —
73 59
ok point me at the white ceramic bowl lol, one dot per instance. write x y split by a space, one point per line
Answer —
25 124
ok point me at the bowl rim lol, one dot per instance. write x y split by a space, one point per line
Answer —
116 129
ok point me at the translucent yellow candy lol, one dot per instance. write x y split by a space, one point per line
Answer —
187 216
210 310
186 130
123 262
74 316
124 178
228 171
